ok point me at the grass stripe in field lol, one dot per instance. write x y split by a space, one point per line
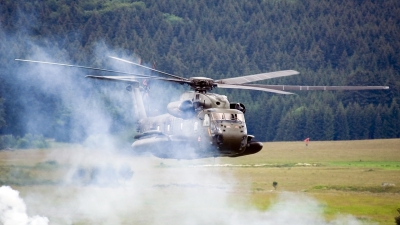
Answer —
387 165
371 189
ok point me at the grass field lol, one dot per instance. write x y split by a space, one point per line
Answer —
343 177
347 176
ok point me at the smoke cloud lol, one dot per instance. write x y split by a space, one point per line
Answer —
100 184
13 209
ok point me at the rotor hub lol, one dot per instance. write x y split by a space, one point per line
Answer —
202 84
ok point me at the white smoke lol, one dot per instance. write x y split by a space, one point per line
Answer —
13 209
171 193
298 208
154 195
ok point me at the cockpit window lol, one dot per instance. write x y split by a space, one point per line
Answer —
228 116
218 116
241 117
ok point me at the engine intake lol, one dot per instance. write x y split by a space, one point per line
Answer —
181 109
239 106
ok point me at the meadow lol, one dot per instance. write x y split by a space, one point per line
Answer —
359 178
346 175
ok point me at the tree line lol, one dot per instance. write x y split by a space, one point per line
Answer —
329 43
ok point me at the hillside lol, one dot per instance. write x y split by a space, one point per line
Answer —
328 42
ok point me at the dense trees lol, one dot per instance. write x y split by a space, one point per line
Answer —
328 42
2 120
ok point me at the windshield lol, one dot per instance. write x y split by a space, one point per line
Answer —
228 116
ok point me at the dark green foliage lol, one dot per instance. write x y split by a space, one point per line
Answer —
22 143
28 141
12 175
328 42
357 122
47 165
104 175
341 125
329 124
378 127
28 175
397 218
2 120
7 141
372 189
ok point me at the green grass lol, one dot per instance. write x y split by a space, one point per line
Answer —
344 176
25 175
347 178
387 165
371 189
375 208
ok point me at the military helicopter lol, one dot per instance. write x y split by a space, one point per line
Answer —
200 124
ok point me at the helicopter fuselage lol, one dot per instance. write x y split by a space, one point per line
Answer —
198 126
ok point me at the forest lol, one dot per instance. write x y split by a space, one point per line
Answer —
353 42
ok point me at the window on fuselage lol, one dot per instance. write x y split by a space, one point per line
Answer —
206 121
218 116
228 116
240 117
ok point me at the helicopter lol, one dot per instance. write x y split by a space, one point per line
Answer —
201 124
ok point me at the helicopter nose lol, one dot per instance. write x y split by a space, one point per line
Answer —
232 136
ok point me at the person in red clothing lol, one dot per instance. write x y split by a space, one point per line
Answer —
307 140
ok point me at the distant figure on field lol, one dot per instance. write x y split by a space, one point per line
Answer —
274 184
307 140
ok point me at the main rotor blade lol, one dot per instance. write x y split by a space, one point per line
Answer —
132 79
158 71
115 78
238 86
318 88
83 67
257 77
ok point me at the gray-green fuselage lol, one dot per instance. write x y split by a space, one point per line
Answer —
212 128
